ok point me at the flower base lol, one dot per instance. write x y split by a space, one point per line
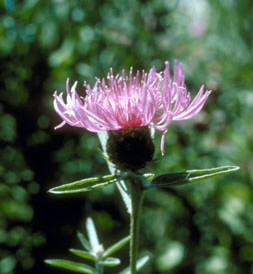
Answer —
130 149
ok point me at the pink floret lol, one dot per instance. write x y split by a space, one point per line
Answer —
153 99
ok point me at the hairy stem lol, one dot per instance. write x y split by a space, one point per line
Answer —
137 197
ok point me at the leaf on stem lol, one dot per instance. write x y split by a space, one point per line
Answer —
189 176
83 254
148 176
115 247
122 187
92 234
109 262
83 241
85 185
73 266
140 263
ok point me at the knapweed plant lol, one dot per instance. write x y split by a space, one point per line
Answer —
125 110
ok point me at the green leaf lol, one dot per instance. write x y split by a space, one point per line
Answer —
140 263
92 234
190 176
73 266
103 137
112 249
84 185
122 187
83 254
148 176
125 194
83 241
109 262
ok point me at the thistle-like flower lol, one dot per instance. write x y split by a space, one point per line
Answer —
126 106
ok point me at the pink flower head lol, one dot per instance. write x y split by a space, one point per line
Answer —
152 99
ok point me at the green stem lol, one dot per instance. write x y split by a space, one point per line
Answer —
137 197
99 268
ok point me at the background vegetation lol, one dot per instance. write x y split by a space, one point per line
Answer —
204 228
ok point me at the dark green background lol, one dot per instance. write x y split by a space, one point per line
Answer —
206 228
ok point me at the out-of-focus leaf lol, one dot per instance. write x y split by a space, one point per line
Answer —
73 266
83 241
189 176
140 263
112 249
16 210
84 185
83 254
109 262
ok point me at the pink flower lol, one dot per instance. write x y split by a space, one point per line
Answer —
154 99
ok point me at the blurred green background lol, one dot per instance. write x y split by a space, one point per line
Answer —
206 228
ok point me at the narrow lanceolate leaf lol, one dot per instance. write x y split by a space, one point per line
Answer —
83 254
125 194
140 263
112 249
84 185
83 241
73 266
122 187
92 234
109 262
189 176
